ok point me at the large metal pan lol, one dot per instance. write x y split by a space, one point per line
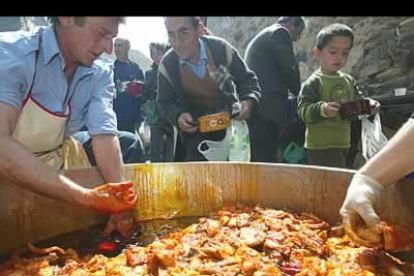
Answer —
187 189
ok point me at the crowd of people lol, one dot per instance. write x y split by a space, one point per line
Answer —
63 106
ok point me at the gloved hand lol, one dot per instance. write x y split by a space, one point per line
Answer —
358 212
112 198
122 222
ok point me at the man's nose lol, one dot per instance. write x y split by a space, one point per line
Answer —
108 46
176 43
338 58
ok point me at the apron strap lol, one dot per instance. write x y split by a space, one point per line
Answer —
34 73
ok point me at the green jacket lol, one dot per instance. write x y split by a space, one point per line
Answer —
321 132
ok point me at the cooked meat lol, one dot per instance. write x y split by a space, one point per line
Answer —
237 240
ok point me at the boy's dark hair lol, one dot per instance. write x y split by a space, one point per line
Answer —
297 20
159 46
79 20
327 33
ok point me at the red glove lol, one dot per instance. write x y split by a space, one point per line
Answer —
112 198
122 222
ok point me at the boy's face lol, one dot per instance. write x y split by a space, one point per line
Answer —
156 55
334 55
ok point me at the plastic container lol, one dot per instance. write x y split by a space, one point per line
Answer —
240 143
214 122
135 88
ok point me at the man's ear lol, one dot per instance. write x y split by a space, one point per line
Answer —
200 29
316 52
66 21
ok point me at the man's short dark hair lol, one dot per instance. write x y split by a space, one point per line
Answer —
297 20
79 20
327 33
194 20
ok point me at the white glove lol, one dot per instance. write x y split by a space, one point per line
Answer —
362 194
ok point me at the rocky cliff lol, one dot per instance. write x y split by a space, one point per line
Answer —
381 59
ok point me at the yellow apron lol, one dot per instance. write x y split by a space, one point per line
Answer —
43 132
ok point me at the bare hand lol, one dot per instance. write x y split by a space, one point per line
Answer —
186 123
112 198
331 109
122 222
246 110
375 106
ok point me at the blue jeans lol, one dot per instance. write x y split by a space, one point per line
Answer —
131 145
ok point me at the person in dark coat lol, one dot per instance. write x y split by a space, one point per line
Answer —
161 148
270 55
202 75
126 105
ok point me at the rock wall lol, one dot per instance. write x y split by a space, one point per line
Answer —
381 59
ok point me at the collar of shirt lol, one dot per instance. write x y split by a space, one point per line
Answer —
337 74
128 61
49 45
200 68
50 48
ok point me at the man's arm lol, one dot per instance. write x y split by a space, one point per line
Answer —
166 98
282 51
309 104
245 79
108 157
101 122
18 165
400 150
366 185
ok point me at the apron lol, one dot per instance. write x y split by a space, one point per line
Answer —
43 133
215 150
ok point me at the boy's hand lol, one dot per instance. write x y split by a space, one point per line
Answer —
375 106
330 109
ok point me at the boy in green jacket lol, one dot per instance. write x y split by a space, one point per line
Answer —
328 134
